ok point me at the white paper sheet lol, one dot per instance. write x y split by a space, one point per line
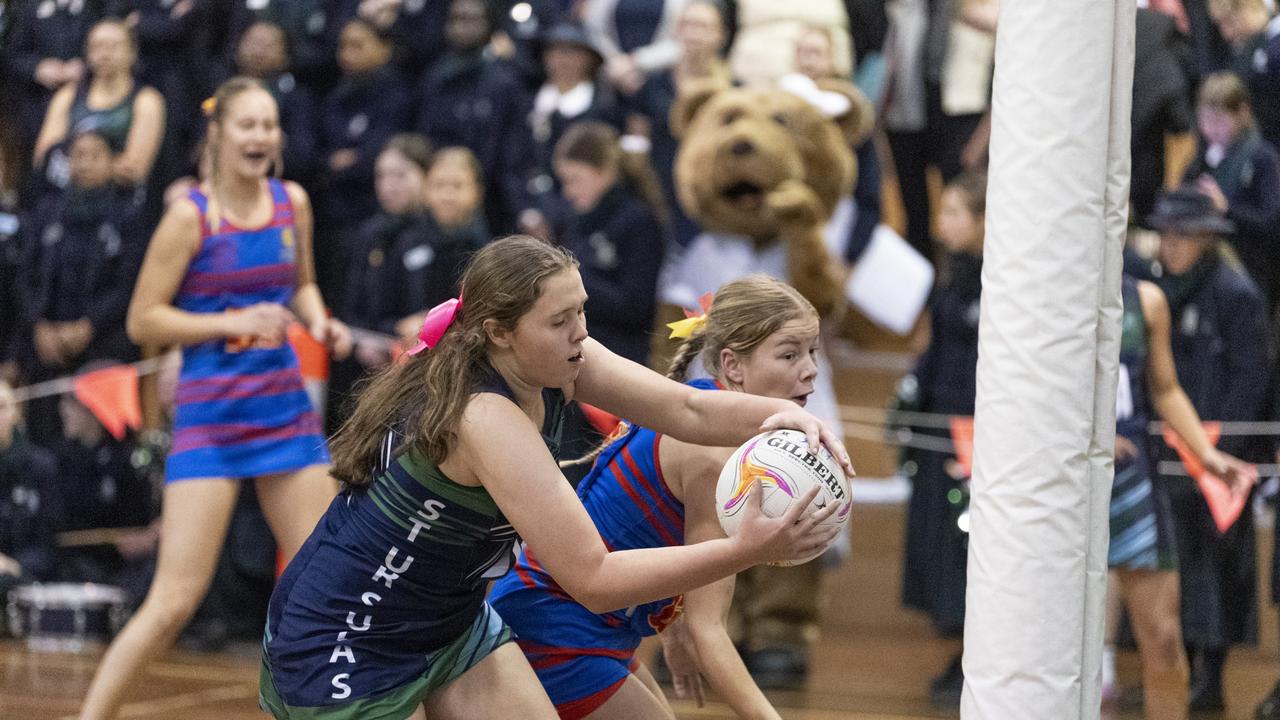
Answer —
891 282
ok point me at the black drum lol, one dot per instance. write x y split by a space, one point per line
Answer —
66 617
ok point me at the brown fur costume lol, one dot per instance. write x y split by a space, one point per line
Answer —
768 165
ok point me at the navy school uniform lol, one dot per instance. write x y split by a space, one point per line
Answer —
309 26
11 337
298 122
404 264
419 34
620 245
934 577
83 251
45 29
29 510
361 114
526 33
1161 105
654 100
547 131
1249 176
1258 64
99 488
400 265
477 102
1219 341
866 198
81 256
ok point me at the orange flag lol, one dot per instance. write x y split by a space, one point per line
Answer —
962 439
313 357
111 394
1224 506
604 422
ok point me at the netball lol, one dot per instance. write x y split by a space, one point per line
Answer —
786 469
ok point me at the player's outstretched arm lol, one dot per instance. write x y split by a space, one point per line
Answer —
703 417
498 445
1171 402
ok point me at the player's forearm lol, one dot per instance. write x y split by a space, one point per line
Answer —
725 419
1175 408
308 305
163 325
720 664
632 577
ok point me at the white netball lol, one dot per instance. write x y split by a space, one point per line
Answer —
786 469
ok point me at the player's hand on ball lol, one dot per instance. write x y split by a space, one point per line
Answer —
795 535
815 431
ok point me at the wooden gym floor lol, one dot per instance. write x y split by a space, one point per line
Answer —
873 661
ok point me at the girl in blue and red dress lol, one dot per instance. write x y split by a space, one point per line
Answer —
226 272
649 490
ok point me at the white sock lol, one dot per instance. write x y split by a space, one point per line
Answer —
1109 665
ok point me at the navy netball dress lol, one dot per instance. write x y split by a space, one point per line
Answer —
384 604
242 410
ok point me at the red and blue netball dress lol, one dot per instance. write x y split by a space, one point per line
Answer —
384 603
581 657
242 410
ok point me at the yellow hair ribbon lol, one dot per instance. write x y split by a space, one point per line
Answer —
208 106
687 327
692 323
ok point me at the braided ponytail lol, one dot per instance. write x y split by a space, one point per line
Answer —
685 354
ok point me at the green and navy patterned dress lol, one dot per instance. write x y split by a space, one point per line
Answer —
1141 533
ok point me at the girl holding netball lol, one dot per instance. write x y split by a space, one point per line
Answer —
227 270
449 457
647 490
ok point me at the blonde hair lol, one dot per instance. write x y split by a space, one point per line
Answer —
462 156
215 108
1220 8
743 315
1226 92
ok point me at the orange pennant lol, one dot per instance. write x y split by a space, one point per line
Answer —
1224 506
604 422
111 394
313 357
962 439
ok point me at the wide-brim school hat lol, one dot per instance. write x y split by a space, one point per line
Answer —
1189 211
571 34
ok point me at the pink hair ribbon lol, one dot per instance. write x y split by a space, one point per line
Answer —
438 320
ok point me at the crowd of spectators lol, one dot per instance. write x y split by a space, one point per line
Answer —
423 128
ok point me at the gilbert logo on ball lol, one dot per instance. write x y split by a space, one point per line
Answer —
786 469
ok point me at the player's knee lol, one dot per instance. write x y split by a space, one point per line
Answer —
1165 652
171 608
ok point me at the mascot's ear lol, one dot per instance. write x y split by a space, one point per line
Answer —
859 120
691 99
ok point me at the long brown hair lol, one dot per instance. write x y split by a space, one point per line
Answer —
597 144
429 391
